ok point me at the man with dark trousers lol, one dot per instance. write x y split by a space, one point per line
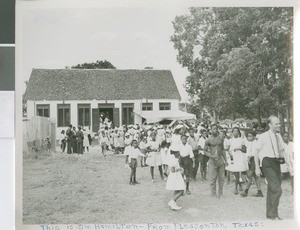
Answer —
79 136
214 149
269 151
69 133
192 141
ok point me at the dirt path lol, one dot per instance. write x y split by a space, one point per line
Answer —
90 188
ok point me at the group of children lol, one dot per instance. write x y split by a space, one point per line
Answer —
178 153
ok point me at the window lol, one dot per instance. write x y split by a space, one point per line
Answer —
127 114
165 106
84 114
43 110
63 115
147 106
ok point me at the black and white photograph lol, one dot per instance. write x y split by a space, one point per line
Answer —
156 114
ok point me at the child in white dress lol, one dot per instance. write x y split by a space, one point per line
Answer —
175 180
164 157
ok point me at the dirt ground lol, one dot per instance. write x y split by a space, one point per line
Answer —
63 189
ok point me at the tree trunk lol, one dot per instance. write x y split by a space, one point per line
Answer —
215 116
289 113
258 117
280 114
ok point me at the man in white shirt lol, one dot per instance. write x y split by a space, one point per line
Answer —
202 157
187 161
269 150
193 141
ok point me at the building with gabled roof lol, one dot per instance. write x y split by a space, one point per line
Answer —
78 96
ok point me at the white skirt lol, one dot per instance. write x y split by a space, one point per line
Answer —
240 163
164 158
175 182
154 159
86 142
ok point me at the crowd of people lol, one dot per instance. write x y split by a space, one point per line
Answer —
218 153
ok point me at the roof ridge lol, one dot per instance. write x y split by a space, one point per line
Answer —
103 69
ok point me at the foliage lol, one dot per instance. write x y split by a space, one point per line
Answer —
94 65
239 59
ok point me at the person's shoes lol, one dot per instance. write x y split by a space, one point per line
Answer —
213 195
235 192
136 182
130 183
188 192
176 207
171 203
220 197
274 218
258 195
153 180
244 194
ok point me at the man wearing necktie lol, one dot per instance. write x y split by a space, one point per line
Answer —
268 150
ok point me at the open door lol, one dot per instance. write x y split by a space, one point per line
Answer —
95 120
116 117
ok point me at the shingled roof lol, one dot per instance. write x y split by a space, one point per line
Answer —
100 84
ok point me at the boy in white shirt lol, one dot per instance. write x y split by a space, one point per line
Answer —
250 146
133 154
187 161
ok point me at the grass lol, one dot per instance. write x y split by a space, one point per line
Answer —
62 189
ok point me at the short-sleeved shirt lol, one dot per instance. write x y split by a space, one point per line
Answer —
186 150
192 141
201 144
135 153
153 145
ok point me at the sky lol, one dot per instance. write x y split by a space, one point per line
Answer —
128 37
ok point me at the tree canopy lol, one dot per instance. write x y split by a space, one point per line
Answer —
239 59
94 65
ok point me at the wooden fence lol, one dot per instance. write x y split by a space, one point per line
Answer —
39 134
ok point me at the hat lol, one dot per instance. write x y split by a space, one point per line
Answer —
127 134
179 127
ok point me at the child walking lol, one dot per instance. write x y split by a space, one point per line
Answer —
103 139
132 159
164 156
250 146
175 180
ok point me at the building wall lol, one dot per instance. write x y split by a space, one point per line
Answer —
31 109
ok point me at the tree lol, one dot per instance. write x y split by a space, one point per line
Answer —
240 59
94 65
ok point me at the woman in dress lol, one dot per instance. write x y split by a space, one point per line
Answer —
154 156
63 141
86 142
175 180
237 152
